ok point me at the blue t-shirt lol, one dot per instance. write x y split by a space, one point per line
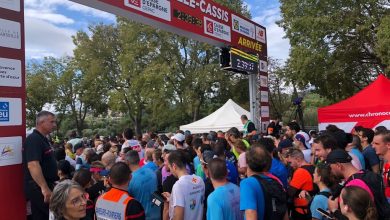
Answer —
224 203
252 196
370 157
360 156
279 170
232 172
319 201
152 166
142 185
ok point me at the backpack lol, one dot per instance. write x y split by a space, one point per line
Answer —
323 193
275 196
375 183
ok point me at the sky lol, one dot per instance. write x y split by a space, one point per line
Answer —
50 24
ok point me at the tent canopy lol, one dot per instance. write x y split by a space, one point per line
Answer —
222 119
368 108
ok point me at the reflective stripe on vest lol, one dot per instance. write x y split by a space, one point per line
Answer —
112 205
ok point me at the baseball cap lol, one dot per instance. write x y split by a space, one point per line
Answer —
304 138
338 156
286 143
208 155
179 137
169 147
187 133
78 146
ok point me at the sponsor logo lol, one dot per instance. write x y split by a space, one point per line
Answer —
10 34
157 8
10 72
217 30
7 151
4 111
10 111
260 34
236 25
10 150
263 81
136 3
264 96
243 27
264 111
194 180
263 66
210 27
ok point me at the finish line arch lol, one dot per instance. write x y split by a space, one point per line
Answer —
202 20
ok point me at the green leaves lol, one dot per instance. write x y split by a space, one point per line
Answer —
337 46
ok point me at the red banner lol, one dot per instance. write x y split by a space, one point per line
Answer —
202 20
12 109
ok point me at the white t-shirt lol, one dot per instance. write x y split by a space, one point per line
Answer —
242 160
188 192
307 155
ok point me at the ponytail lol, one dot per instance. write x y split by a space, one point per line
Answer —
371 213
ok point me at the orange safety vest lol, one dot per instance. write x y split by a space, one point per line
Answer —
112 205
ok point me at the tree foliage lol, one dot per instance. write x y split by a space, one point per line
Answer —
40 86
337 46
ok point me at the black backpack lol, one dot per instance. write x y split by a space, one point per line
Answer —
375 183
275 197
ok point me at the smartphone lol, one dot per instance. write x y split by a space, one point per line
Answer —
325 213
157 199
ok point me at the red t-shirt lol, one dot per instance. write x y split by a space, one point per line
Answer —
386 177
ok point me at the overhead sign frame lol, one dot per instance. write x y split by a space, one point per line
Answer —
202 20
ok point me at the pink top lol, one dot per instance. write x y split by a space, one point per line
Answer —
360 183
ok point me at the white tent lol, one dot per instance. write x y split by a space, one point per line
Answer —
222 119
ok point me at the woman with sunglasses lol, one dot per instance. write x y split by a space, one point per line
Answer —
68 201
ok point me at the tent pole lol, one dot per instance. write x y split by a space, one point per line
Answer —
254 107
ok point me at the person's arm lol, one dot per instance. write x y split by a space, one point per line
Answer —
36 173
165 215
178 213
250 214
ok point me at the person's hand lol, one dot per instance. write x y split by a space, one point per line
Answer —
167 196
333 205
198 152
303 194
46 195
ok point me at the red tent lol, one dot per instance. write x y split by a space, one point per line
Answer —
368 108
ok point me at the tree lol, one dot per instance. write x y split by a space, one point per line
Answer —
334 44
78 93
279 99
40 86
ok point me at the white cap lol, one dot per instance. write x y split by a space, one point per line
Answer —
179 137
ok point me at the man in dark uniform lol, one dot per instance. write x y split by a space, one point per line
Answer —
40 167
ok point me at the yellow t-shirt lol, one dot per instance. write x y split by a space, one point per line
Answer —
234 149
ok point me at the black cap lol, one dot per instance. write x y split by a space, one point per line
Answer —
287 143
338 156
77 146
208 155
